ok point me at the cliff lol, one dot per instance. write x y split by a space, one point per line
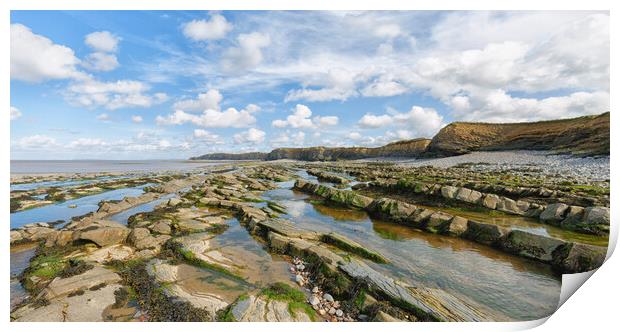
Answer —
583 136
232 156
587 135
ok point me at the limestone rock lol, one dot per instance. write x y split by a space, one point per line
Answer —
554 212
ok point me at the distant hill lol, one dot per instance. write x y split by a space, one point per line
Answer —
232 156
583 136
586 135
410 148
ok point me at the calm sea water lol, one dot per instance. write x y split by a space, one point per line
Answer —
92 166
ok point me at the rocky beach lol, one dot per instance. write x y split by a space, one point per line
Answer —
483 236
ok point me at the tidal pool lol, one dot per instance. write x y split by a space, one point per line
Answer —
62 211
123 217
505 287
525 224
19 261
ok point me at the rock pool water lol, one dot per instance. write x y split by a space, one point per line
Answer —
62 211
19 261
506 287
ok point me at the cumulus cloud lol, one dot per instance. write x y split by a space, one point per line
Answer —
301 118
102 41
252 135
136 119
104 117
205 136
99 61
208 100
200 30
325 120
35 142
248 54
210 118
15 113
112 95
419 122
35 58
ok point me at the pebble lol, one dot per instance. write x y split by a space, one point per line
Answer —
299 279
315 289
300 267
328 297
339 313
332 311
314 300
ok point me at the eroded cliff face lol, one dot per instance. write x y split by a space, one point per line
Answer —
588 135
584 136
410 148
232 156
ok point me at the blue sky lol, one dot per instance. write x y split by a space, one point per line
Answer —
174 84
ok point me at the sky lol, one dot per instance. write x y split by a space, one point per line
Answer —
176 84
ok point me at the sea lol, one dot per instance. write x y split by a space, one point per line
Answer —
97 166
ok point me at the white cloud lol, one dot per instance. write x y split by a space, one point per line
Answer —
209 100
15 113
102 41
418 121
252 135
35 142
248 54
325 120
200 30
103 117
99 61
384 89
206 136
136 119
375 121
35 58
354 136
210 118
299 119
388 31
111 95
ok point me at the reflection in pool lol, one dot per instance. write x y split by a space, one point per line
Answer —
63 211
506 287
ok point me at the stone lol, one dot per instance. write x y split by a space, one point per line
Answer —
327 297
488 234
314 300
352 247
315 289
474 197
490 201
420 216
114 252
299 279
60 238
138 234
449 192
257 309
93 277
391 209
508 205
554 212
339 313
577 258
463 194
209 302
161 228
455 227
596 215
381 316
530 245
16 237
103 234
437 222
424 300
174 201
277 242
